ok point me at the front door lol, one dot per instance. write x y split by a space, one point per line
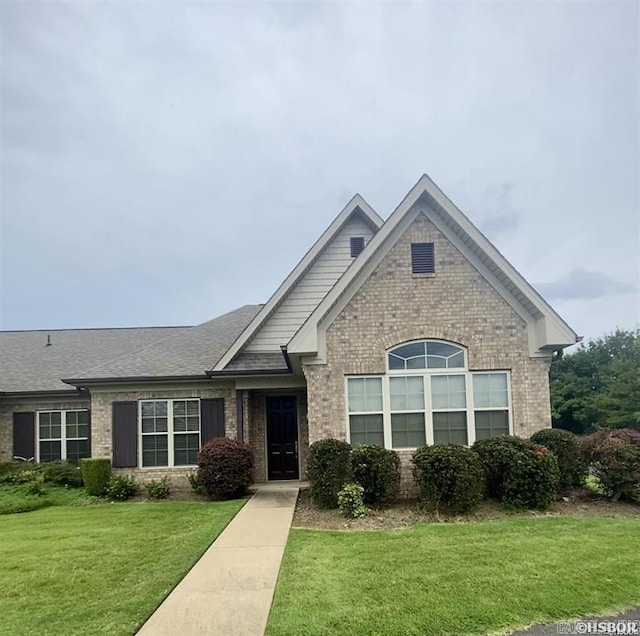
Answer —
282 437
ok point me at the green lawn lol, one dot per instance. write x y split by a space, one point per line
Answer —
455 578
99 569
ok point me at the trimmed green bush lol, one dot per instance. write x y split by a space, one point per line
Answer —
328 469
62 473
377 470
196 486
350 502
121 487
614 458
496 455
518 472
225 468
158 488
95 475
565 446
449 477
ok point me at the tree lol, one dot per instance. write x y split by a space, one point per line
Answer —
598 385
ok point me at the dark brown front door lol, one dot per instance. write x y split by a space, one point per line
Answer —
282 437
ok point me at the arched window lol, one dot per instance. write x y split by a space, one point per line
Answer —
428 396
426 354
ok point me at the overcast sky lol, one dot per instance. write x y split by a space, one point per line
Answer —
165 162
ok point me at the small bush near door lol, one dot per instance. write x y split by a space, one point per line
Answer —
449 477
377 470
95 475
328 469
225 467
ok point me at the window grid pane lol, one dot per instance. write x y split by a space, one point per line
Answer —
366 429
77 449
448 392
407 430
491 424
365 394
490 390
185 449
450 428
50 451
407 393
155 450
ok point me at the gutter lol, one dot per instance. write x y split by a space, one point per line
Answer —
60 393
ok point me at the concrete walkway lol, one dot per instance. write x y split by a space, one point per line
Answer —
228 592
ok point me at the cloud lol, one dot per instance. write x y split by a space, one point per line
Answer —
500 215
583 284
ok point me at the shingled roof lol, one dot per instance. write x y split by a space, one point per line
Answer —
28 363
189 353
35 361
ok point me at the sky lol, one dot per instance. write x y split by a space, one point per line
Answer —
165 162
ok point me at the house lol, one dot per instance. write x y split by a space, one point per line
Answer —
401 332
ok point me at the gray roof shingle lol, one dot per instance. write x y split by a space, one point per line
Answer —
27 364
189 352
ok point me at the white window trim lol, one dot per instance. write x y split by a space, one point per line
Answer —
427 374
63 439
170 432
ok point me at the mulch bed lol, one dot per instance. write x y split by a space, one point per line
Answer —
582 502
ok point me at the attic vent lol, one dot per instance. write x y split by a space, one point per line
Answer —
422 261
357 245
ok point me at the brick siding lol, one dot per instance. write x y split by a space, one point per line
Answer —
455 304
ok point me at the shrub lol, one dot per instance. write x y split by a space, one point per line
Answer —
565 446
196 486
328 469
62 473
158 488
121 487
31 478
377 470
518 472
614 458
225 467
9 469
95 475
449 477
496 455
350 502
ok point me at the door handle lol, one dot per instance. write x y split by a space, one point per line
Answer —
296 447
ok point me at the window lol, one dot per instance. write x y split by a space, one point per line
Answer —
427 397
422 258
357 245
491 403
365 411
63 435
170 432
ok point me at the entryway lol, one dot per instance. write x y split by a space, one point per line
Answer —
282 437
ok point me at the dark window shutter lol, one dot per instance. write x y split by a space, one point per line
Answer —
357 245
125 434
211 419
24 435
422 261
89 431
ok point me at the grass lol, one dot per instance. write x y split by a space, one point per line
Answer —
18 498
99 569
455 578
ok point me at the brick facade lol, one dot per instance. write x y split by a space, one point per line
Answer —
7 409
455 304
101 422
